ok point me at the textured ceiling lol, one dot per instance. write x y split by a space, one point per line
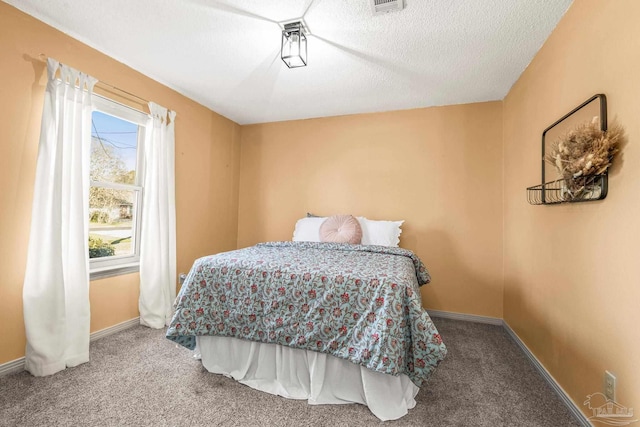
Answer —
225 54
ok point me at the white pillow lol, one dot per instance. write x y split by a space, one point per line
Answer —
308 229
381 233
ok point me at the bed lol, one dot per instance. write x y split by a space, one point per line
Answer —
325 322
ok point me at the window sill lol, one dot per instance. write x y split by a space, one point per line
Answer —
104 272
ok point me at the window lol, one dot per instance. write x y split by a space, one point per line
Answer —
116 186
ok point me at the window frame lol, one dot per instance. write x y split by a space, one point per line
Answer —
116 265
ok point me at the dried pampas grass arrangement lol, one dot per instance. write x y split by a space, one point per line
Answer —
585 150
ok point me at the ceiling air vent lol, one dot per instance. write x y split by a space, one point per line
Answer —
380 7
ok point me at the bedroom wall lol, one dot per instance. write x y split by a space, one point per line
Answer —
571 276
207 168
439 169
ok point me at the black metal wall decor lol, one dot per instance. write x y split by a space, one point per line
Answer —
560 189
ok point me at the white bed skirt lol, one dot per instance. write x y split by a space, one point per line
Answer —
301 374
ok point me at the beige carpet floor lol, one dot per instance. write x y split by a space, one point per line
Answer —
139 378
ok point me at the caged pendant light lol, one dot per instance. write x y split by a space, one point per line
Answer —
294 45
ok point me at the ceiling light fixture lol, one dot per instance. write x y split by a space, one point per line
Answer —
294 44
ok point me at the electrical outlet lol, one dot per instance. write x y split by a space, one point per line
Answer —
609 386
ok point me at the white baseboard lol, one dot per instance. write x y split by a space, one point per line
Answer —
575 410
465 317
18 364
115 328
12 367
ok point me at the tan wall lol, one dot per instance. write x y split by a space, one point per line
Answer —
572 282
439 169
207 168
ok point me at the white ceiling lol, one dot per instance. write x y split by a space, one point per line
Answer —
225 53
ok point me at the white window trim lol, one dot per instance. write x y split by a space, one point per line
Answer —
100 268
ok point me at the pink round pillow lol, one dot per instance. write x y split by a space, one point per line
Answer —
341 229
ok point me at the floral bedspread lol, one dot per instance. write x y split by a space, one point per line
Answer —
355 302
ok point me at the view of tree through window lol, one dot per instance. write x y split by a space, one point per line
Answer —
113 195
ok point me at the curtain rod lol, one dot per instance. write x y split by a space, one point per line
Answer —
44 57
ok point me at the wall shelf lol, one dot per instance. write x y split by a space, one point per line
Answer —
581 189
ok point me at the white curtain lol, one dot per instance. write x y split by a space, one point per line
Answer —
56 283
158 234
